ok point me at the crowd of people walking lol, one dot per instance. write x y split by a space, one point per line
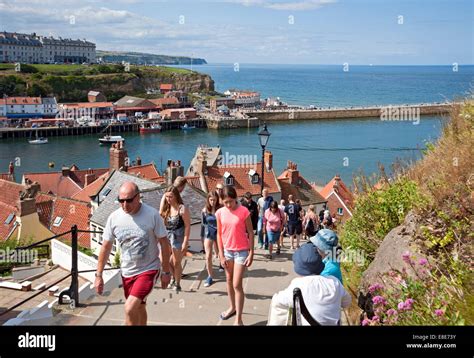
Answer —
153 243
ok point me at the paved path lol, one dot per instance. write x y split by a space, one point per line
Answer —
195 304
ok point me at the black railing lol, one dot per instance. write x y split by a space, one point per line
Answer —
73 291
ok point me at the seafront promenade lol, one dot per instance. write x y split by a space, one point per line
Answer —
246 118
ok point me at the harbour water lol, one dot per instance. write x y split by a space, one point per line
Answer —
320 148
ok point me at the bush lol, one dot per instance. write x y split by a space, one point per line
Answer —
24 68
378 212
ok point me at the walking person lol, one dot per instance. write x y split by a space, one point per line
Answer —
295 228
252 207
236 249
273 222
263 204
178 225
310 222
139 232
326 243
209 222
285 227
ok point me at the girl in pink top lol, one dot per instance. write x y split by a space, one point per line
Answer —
273 222
235 241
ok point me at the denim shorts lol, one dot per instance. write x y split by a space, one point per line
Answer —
176 238
273 237
237 256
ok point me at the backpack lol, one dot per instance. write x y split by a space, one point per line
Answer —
267 203
310 230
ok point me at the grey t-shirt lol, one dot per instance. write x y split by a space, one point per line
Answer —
137 237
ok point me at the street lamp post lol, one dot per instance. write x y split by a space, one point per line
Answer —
263 136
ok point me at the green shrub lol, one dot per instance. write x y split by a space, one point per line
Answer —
378 212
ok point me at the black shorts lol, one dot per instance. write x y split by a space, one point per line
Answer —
295 228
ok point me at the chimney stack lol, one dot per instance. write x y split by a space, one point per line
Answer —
65 171
118 157
139 161
337 183
268 160
294 173
174 170
90 177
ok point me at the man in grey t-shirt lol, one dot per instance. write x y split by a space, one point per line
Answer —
138 229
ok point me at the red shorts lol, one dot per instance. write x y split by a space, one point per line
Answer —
140 285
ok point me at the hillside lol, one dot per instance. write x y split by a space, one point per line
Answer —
71 83
139 58
416 234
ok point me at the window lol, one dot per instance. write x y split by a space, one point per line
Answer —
57 222
228 179
106 192
340 211
9 218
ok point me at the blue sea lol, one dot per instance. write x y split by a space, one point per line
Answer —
330 85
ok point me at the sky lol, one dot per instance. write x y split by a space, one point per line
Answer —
357 32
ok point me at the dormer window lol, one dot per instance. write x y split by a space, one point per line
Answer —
254 177
228 179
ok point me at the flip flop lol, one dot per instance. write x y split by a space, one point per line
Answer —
224 317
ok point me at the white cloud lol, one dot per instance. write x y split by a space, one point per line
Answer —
287 5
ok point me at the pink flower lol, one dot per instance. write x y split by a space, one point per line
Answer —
409 303
366 322
391 312
406 257
401 306
375 287
423 262
375 319
439 313
378 300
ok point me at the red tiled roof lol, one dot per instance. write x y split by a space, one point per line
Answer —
242 180
23 100
5 229
303 190
194 182
10 192
92 189
161 101
72 212
79 176
54 183
44 208
88 105
60 185
342 191
166 86
146 171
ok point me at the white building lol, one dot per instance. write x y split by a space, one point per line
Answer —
3 107
18 107
28 107
50 106
32 48
244 98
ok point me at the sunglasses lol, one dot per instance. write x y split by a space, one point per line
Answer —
121 201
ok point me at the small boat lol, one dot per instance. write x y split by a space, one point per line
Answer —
109 139
187 127
40 140
150 128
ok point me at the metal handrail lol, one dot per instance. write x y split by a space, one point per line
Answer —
73 291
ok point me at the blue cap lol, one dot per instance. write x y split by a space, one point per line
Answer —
325 240
307 261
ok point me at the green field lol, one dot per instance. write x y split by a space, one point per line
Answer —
64 70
